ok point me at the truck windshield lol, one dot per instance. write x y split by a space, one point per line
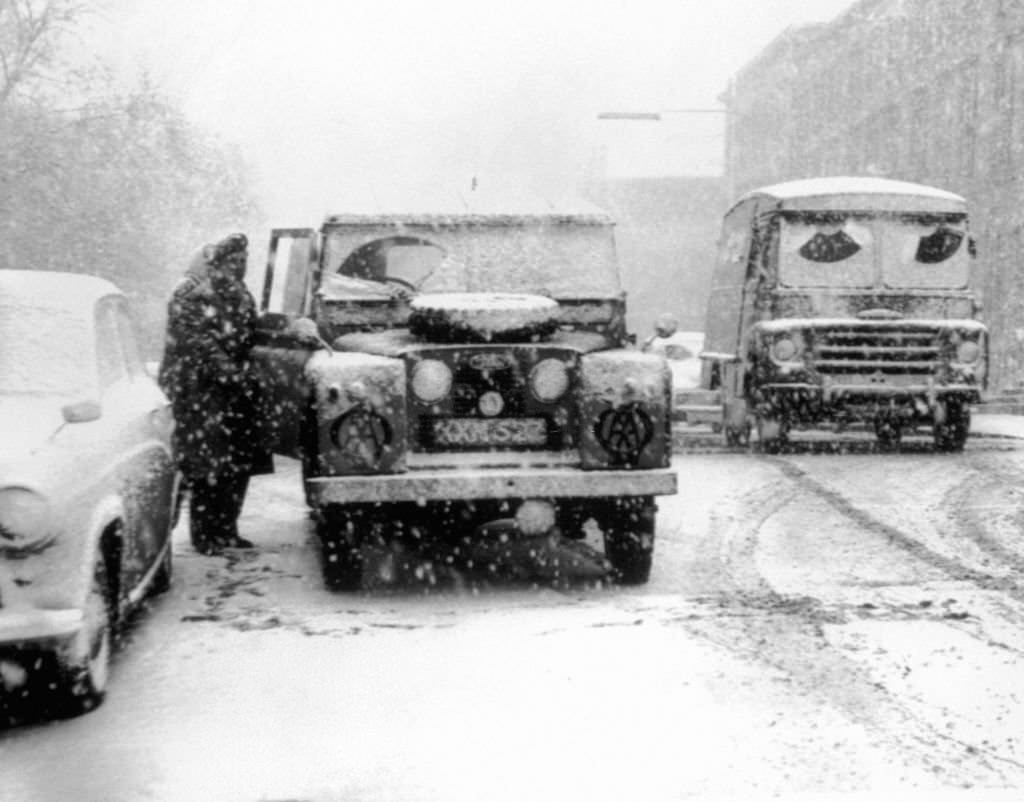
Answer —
903 252
925 253
827 252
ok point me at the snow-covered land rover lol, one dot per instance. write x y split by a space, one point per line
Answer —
478 383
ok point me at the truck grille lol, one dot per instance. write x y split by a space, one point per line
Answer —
888 351
491 407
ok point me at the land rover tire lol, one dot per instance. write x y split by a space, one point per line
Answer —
342 529
952 425
308 457
627 524
483 317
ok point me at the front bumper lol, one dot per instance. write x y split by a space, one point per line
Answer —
440 484
19 627
867 390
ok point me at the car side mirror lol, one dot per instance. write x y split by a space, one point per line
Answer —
82 411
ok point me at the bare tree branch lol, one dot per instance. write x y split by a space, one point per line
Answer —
30 34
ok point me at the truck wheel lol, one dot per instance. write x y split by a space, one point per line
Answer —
888 433
628 527
951 434
83 665
736 437
772 433
342 529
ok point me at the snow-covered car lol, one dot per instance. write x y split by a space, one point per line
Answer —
682 351
478 387
88 486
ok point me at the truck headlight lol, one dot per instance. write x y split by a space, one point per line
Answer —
549 380
431 380
25 521
968 351
784 349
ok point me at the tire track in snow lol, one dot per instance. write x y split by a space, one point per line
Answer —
953 568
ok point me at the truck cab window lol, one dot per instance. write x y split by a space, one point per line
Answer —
938 246
829 246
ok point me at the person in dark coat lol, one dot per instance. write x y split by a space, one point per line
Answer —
219 435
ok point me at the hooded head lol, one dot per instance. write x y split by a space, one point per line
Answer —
229 256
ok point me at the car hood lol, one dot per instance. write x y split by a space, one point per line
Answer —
26 423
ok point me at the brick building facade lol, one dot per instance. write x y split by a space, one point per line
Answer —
920 90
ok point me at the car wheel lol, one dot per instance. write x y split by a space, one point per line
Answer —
83 665
628 528
162 578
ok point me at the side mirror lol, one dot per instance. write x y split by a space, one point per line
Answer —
82 411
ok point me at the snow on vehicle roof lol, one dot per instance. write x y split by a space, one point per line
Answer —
52 289
836 192
492 206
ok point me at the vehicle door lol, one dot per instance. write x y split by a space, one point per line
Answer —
133 430
730 303
290 280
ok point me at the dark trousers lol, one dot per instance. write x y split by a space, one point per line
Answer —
214 508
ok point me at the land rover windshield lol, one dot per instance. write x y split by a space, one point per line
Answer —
562 259
873 252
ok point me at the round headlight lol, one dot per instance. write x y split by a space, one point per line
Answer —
549 380
24 519
431 380
783 349
968 351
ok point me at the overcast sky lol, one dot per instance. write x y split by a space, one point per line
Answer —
331 98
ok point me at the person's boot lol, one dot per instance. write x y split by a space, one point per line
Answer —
236 542
206 547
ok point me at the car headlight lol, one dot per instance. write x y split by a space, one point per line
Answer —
968 351
25 520
784 349
431 380
549 380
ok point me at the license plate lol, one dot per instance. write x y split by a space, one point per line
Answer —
490 431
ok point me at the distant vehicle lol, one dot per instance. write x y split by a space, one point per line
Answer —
87 485
842 301
479 384
682 350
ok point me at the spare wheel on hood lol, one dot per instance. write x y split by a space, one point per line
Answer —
483 317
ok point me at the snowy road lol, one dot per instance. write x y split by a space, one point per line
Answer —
815 622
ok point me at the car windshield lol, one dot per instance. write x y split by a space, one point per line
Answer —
676 351
42 351
905 251
517 255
